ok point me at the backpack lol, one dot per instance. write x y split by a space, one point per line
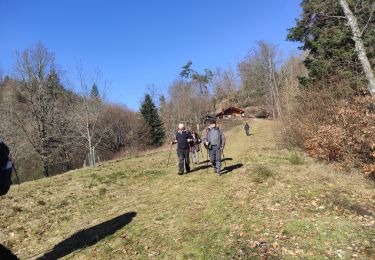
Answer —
4 154
5 174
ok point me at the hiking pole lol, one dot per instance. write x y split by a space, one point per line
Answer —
207 161
200 155
15 172
169 156
225 163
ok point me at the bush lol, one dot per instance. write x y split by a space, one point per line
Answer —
338 130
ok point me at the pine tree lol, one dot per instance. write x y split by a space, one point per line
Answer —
327 38
94 91
150 115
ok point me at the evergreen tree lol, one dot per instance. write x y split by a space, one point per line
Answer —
150 115
324 32
94 91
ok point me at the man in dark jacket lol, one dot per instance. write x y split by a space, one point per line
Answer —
183 140
214 141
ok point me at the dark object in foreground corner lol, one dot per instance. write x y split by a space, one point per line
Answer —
89 236
6 254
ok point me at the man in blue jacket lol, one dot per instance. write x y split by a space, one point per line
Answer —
183 140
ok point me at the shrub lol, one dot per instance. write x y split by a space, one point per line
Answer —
339 130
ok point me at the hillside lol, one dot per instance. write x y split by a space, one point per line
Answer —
270 202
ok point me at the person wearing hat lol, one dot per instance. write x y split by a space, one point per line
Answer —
214 141
183 140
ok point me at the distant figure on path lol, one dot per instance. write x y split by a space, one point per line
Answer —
247 129
6 168
195 146
183 140
214 141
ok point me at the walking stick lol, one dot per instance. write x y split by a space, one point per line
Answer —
15 172
199 154
207 161
225 164
169 156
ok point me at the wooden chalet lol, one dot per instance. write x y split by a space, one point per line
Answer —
231 112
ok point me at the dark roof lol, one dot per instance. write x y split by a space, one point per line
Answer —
231 110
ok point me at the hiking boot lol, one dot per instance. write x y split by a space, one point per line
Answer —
180 173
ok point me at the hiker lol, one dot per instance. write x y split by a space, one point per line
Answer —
214 141
183 140
195 146
6 167
247 129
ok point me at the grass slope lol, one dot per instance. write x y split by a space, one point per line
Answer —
274 202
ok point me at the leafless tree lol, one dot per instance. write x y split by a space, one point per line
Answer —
225 87
86 114
36 104
259 77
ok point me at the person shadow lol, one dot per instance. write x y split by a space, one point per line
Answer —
6 254
226 169
88 237
231 168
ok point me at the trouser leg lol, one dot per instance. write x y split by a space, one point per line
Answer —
212 157
187 160
218 160
195 156
180 154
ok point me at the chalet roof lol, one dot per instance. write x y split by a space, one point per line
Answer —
231 110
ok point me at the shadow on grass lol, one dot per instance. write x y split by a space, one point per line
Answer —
89 236
231 168
223 160
5 253
227 169
346 204
201 167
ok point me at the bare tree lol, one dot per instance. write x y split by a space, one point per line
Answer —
224 86
86 114
37 101
359 46
259 77
200 99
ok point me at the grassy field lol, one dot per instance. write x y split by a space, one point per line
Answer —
272 202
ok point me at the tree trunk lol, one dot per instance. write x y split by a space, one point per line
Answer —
359 46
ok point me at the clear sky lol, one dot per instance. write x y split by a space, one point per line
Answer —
136 43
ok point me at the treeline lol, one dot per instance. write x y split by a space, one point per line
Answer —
51 129
262 83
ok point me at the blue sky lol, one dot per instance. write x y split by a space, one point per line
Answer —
136 43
